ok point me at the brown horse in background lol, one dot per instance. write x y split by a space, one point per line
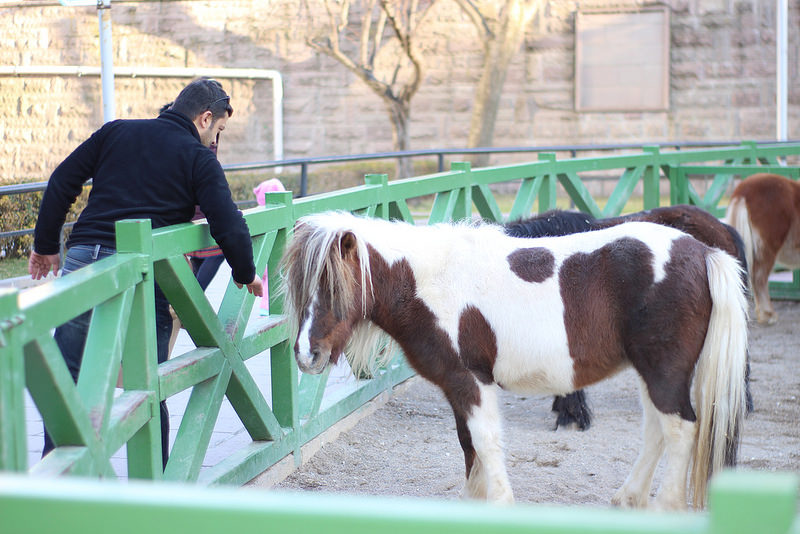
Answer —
765 210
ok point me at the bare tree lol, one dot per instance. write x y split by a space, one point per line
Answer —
501 33
374 39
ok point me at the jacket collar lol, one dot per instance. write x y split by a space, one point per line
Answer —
182 120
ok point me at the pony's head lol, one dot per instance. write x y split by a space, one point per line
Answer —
325 275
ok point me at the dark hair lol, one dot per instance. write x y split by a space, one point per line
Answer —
203 94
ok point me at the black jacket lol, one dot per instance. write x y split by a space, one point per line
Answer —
153 169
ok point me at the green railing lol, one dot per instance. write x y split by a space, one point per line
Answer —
739 503
89 422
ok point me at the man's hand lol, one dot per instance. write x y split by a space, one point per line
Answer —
255 287
40 264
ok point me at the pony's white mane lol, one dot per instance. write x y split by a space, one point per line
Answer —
368 349
313 259
316 252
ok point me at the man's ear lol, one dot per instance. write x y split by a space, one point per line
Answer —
205 119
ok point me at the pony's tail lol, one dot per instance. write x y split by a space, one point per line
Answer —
738 217
720 374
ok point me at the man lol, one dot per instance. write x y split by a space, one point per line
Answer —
157 169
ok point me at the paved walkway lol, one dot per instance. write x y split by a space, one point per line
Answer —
229 433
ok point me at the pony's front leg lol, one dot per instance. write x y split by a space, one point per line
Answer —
488 477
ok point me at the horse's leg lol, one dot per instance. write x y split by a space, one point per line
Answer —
636 489
679 436
475 487
488 477
572 408
763 261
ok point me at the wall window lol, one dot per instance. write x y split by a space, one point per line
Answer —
622 60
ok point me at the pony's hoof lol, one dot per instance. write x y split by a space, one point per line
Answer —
624 500
767 318
505 497
670 505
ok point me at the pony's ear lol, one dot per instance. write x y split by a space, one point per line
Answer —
347 245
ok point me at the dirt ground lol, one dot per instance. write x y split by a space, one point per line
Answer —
409 447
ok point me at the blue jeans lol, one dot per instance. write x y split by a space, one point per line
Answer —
206 268
71 336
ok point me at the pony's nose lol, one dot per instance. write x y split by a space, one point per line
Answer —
312 360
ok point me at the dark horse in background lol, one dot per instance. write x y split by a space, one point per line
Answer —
573 408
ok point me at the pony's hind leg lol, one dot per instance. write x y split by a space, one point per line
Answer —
636 489
572 408
763 262
662 432
679 437
488 477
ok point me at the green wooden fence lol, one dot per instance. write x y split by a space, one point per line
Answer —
89 422
739 503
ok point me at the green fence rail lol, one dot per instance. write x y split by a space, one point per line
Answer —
739 503
89 422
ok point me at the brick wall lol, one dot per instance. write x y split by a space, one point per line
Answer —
722 79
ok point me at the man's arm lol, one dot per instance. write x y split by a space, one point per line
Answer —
226 222
64 186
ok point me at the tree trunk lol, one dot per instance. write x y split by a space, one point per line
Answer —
499 48
399 114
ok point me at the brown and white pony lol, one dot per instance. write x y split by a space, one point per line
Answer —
765 209
474 309
573 408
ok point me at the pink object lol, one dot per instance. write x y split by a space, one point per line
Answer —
263 306
267 186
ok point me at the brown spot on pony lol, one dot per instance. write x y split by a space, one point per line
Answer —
635 295
765 209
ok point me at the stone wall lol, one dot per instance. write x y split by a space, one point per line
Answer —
722 79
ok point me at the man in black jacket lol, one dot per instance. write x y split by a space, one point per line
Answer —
157 169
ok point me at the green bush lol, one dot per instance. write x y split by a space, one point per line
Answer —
20 213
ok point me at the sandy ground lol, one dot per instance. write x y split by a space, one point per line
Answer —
408 447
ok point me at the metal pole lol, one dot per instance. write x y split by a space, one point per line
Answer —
303 179
106 59
781 69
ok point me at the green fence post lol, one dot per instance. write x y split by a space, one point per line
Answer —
752 152
745 502
13 439
139 357
463 206
283 369
547 193
651 194
678 186
381 210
